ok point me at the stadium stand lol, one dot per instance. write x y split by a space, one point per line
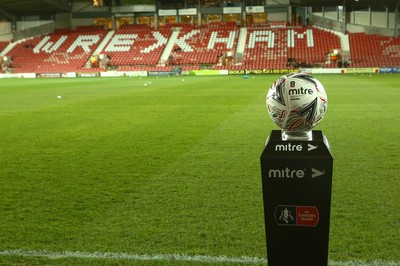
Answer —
204 46
266 48
215 46
62 51
136 46
312 44
371 50
254 39
3 45
284 47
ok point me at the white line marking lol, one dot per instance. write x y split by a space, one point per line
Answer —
138 257
172 257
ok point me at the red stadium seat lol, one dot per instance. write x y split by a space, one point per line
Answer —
138 47
61 51
374 50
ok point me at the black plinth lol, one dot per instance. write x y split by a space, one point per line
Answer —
297 184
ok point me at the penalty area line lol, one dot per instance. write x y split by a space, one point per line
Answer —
172 257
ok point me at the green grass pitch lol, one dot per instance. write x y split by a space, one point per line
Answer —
170 165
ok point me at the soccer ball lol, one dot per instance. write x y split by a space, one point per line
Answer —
297 102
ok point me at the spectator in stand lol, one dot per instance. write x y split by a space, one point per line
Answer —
93 61
308 21
333 57
299 21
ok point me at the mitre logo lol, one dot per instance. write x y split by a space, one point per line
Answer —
300 90
286 173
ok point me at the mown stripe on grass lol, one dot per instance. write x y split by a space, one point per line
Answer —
171 257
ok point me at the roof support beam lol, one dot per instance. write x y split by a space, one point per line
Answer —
59 4
7 14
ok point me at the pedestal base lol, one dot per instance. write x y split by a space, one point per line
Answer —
297 183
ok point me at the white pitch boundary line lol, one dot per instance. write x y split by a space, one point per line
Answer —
171 257
137 257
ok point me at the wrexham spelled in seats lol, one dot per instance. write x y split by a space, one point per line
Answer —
136 46
61 51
